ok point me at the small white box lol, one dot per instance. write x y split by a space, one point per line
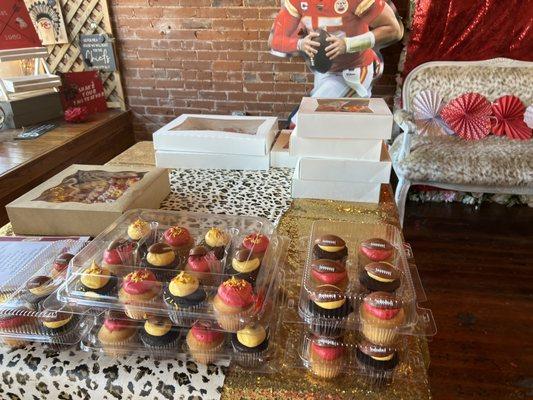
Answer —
330 190
175 159
219 134
346 170
279 156
361 149
346 118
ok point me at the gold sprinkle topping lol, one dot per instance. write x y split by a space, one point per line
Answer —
138 276
235 282
94 269
185 278
175 231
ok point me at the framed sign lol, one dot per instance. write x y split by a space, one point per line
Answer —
83 89
98 52
16 28
48 19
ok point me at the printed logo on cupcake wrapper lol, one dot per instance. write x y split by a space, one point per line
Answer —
383 300
375 350
383 270
379 244
330 240
327 266
327 293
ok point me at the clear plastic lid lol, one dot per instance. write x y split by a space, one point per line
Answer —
154 262
356 276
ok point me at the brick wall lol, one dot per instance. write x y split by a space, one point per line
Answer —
209 56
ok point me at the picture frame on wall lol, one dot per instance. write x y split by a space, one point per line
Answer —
47 18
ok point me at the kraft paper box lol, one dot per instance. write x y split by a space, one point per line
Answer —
219 134
346 118
361 149
85 199
280 156
176 159
346 170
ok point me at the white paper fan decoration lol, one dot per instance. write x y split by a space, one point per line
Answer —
528 117
427 105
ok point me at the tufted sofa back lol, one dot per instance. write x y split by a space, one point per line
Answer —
492 78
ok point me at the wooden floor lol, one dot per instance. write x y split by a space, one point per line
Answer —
477 269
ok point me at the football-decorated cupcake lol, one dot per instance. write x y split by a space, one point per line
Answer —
234 299
116 333
377 363
327 357
380 276
204 342
250 345
60 265
218 241
245 265
139 288
257 243
184 295
96 281
330 247
179 239
161 258
119 252
204 265
381 314
329 272
376 249
159 333
328 310
40 287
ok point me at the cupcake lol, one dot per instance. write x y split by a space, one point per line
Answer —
330 247
96 281
233 300
245 265
257 243
140 231
16 319
376 249
204 265
217 240
328 309
380 276
377 363
159 333
179 239
39 287
250 345
116 333
204 342
119 252
162 258
381 314
139 288
61 327
329 272
326 357
182 296
60 265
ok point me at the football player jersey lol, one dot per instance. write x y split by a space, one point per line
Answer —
342 18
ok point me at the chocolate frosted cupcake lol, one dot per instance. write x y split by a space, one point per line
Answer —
159 333
327 357
245 265
184 295
60 265
377 363
329 272
381 315
330 247
376 249
250 345
328 310
162 259
96 281
218 241
380 276
39 287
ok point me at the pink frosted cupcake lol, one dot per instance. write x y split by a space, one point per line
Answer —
257 243
234 299
204 342
203 264
179 239
119 252
139 289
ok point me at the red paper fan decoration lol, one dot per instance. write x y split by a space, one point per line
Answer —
509 118
468 115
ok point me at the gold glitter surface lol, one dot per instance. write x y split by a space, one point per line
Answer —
290 382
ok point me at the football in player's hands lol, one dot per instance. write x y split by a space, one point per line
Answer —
320 62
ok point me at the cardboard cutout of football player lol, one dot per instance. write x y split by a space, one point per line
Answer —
355 28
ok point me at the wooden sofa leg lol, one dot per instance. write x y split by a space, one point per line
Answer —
401 197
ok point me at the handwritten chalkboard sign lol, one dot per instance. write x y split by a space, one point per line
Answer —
97 52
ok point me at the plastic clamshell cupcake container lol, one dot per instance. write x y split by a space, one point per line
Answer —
235 227
404 297
23 320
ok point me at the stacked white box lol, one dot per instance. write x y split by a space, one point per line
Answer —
280 155
340 149
216 142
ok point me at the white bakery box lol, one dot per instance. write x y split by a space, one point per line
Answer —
215 141
341 179
361 149
280 156
345 118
